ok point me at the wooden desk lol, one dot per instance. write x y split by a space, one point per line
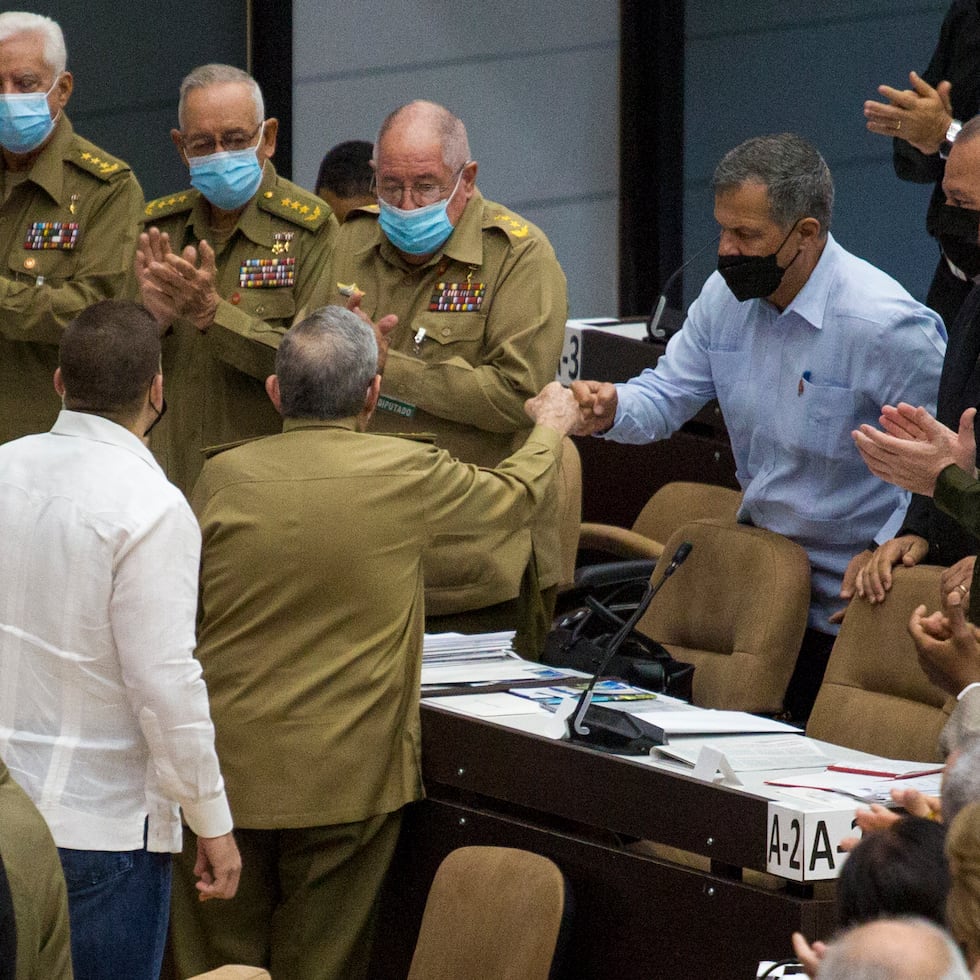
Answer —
635 915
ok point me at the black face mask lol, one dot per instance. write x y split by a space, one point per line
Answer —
958 230
754 276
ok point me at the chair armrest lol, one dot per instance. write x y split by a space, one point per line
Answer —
619 541
591 577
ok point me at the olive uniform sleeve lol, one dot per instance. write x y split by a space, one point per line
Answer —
248 339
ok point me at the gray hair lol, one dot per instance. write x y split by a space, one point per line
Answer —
791 169
208 75
970 130
961 783
325 365
851 957
448 128
20 22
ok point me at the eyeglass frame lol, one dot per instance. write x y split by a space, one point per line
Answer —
413 190
222 140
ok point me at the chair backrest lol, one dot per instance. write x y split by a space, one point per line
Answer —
874 695
736 609
491 912
570 510
680 502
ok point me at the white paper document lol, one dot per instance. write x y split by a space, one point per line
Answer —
751 753
709 722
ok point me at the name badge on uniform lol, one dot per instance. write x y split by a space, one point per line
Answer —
51 234
267 273
457 297
404 409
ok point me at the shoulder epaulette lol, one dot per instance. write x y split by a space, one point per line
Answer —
209 452
363 211
513 224
291 203
88 157
428 438
169 204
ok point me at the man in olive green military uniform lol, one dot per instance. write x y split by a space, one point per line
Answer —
37 887
69 217
481 306
312 654
225 267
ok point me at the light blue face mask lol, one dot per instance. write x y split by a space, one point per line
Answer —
25 120
229 178
419 231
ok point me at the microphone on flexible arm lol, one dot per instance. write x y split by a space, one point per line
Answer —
622 727
656 315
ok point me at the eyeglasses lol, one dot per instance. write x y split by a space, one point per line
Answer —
421 192
233 139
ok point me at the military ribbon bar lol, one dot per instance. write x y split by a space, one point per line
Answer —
267 273
457 297
51 234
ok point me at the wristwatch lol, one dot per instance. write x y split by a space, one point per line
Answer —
947 144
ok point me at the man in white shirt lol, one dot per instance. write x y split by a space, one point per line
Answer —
104 716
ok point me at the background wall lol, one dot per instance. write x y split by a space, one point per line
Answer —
763 67
128 60
536 85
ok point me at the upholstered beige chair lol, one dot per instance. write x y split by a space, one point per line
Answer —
672 505
874 696
492 912
736 609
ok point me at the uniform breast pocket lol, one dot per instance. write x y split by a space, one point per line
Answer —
276 307
452 335
52 265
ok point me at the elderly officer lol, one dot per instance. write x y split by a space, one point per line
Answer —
225 267
69 216
481 306
312 659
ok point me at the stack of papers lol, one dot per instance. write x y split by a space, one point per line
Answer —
465 646
480 660
871 781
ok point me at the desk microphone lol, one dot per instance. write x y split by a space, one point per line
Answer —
577 729
653 324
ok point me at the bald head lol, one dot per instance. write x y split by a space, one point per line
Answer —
893 949
420 124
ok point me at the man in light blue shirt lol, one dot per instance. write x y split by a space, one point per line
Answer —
800 342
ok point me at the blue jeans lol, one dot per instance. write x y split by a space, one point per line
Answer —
118 906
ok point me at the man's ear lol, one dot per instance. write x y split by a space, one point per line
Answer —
59 384
267 145
811 229
272 390
469 179
371 398
62 92
179 143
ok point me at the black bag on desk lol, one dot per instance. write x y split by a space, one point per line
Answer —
575 642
